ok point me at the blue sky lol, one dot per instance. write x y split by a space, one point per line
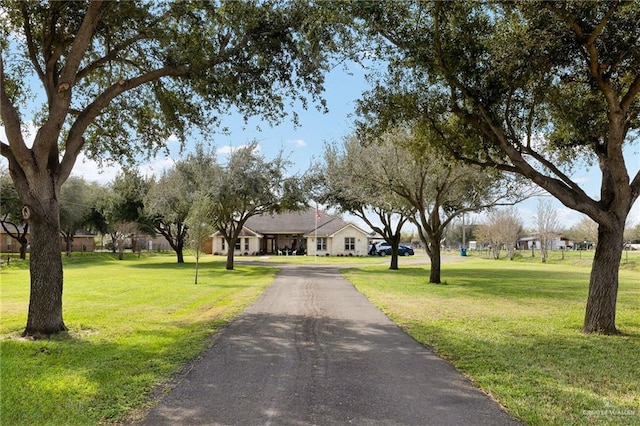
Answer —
305 143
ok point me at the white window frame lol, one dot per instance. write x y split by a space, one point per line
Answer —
349 243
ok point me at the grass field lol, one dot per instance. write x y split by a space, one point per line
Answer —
514 329
132 324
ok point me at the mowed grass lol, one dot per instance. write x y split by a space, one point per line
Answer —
514 329
133 323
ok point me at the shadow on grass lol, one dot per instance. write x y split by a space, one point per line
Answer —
499 282
300 361
75 379
546 378
215 268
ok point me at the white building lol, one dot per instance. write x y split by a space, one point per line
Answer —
295 233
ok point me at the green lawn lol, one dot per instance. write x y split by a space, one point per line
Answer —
132 324
514 329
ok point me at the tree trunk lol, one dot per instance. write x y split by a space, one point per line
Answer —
180 253
197 264
434 256
394 260
45 303
69 242
20 237
600 316
394 253
230 254
23 250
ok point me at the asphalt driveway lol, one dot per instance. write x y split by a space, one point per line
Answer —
313 351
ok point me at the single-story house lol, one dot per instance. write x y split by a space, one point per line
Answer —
558 242
308 232
82 241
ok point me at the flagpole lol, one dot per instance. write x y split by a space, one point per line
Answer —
315 258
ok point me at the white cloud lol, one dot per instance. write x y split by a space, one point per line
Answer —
91 171
156 167
300 143
581 179
225 150
228 149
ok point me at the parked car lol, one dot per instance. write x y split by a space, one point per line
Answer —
384 248
407 250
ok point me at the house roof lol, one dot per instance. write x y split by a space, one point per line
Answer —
302 222
288 222
331 228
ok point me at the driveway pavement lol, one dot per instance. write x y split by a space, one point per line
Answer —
313 351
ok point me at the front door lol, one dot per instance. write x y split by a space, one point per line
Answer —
270 245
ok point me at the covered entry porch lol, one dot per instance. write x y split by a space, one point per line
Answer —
283 244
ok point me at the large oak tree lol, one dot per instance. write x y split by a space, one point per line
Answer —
170 198
118 78
539 86
354 178
249 185
439 189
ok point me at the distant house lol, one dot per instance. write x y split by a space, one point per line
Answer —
558 242
82 241
294 233
7 243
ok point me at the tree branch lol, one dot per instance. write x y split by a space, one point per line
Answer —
110 56
81 42
631 94
75 141
16 149
33 55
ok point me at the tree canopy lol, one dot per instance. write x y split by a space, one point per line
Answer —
171 198
353 178
528 87
249 185
116 79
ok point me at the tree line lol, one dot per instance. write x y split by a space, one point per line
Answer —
527 88
185 204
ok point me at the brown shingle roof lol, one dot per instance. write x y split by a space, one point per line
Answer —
301 222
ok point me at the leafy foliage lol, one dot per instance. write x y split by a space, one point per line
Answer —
501 229
11 212
528 87
171 199
249 185
354 179
78 201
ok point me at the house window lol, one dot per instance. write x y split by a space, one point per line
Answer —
237 246
223 243
349 243
246 244
321 244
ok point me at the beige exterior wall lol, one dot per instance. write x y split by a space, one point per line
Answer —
311 247
80 243
220 246
336 243
360 240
